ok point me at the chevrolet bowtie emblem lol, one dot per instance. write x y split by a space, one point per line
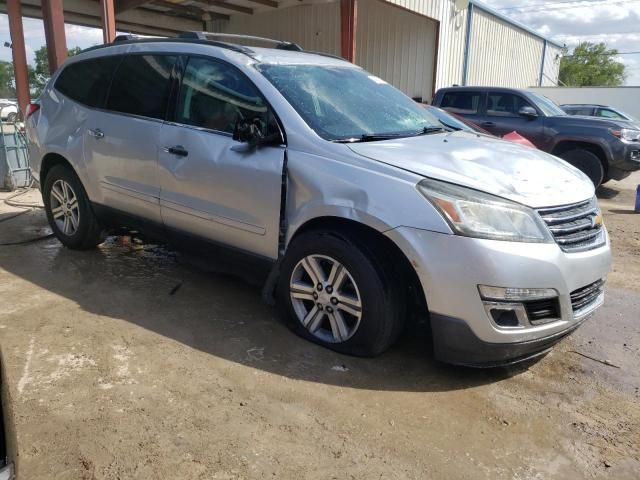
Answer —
596 220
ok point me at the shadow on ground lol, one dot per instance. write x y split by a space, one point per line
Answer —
219 314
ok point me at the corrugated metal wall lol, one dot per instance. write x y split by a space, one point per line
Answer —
551 66
314 27
451 38
398 46
501 54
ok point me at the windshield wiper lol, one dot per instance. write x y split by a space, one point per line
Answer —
372 137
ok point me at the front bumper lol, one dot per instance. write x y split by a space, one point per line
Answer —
451 267
628 161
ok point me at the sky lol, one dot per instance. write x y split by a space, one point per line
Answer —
615 22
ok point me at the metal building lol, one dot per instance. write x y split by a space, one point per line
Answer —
416 45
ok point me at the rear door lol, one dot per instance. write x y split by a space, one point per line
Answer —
502 116
121 140
209 187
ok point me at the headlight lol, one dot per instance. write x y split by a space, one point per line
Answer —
476 214
627 134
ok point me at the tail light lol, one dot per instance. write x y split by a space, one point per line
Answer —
31 109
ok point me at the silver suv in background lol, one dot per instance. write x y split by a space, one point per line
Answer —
364 205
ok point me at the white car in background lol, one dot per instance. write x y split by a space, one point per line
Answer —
8 110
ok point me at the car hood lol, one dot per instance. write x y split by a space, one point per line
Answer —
494 166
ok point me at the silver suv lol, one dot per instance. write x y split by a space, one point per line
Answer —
365 206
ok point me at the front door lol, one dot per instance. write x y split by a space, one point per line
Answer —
208 187
502 117
122 140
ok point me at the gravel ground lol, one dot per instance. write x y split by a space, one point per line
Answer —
128 362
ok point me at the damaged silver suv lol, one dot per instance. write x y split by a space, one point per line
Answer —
365 206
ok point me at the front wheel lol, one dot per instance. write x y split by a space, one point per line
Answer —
587 162
337 293
68 210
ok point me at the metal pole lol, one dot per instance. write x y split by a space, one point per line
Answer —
53 19
348 25
19 54
544 55
107 13
467 44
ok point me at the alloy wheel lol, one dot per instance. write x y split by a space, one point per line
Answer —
325 298
64 207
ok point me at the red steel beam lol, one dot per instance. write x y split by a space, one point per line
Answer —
107 13
53 19
348 26
19 53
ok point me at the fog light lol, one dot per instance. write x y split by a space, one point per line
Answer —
504 318
515 294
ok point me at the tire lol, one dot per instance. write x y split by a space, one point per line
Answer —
369 277
587 162
68 210
11 118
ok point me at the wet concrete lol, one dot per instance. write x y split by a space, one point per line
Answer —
129 362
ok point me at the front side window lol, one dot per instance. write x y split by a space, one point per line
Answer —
214 95
461 102
341 103
87 81
505 104
141 85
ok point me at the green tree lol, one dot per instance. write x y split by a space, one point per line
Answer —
7 89
39 74
591 64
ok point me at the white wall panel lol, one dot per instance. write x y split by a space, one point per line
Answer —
502 54
551 66
397 45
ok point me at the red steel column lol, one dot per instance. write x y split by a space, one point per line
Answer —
107 13
19 54
53 19
348 25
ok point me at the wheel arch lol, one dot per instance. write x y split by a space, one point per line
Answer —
598 150
368 235
49 161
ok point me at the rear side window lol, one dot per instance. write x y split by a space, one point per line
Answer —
579 111
87 82
607 113
141 85
461 102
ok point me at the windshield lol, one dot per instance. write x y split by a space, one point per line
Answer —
341 103
548 107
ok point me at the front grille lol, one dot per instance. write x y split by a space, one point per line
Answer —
542 311
585 296
576 227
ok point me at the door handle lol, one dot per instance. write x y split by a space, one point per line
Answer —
96 133
178 150
487 124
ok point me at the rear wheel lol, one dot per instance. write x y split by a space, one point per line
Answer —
68 210
587 162
339 294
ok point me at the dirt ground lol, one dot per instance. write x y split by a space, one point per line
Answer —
127 362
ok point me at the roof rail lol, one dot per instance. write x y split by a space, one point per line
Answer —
125 37
282 45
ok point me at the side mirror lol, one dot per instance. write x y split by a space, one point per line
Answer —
528 112
251 132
